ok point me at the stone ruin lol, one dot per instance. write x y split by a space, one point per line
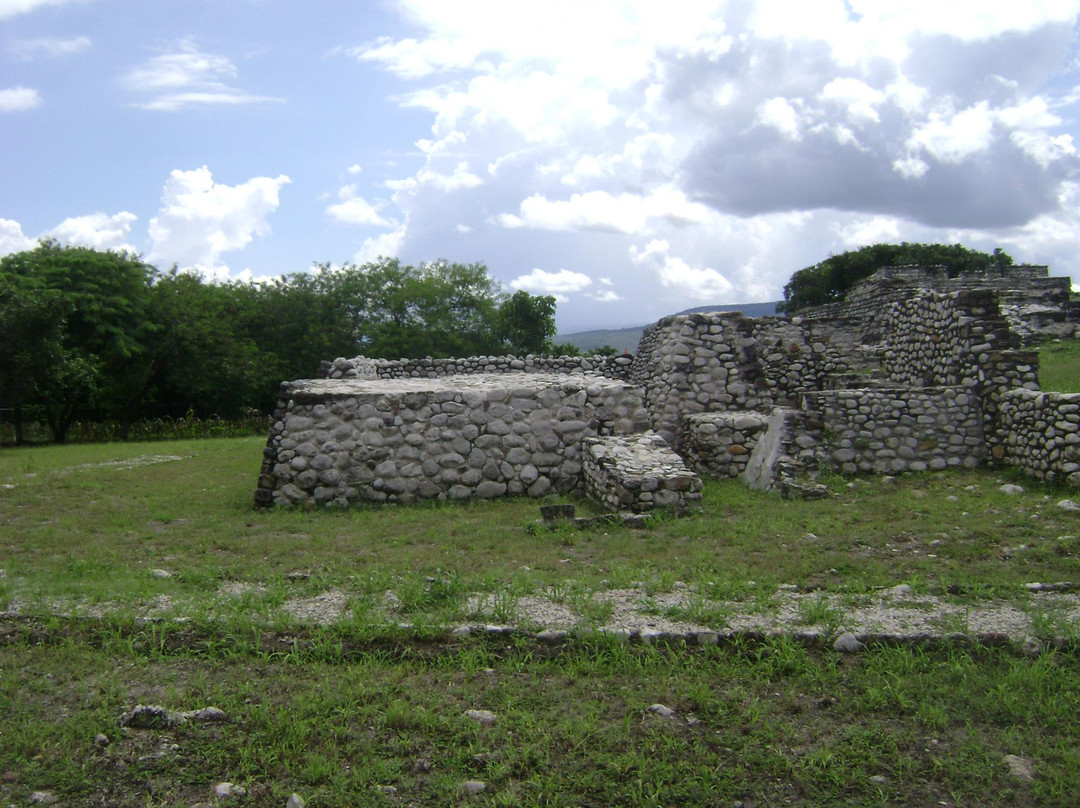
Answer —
901 379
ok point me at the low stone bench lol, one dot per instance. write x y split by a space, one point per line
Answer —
719 444
638 473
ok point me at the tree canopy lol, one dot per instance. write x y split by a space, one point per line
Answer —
829 280
85 331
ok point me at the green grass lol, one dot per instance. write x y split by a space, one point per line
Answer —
87 525
333 712
1059 366
765 723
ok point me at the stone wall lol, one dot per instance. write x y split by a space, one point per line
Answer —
957 339
772 398
719 444
713 362
361 367
338 442
891 430
1041 434
1035 304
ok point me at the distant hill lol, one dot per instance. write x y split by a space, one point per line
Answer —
627 339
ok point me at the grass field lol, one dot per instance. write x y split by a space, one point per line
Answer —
1059 366
361 711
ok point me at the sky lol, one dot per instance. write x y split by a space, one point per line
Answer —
634 158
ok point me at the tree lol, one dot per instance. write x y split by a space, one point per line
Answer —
829 280
200 359
32 320
438 309
105 330
527 323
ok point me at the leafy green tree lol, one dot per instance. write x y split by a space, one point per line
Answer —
32 320
527 322
565 349
438 309
105 330
830 280
200 360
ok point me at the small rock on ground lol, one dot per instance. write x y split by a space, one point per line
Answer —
295 801
662 710
848 643
1020 767
43 798
208 715
474 786
150 716
1011 490
1069 505
481 716
225 790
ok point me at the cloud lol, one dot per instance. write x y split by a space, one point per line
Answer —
12 239
459 178
355 210
953 137
858 98
11 8
50 47
560 284
18 99
863 232
187 77
600 210
697 283
200 219
99 231
708 150
606 296
386 245
781 115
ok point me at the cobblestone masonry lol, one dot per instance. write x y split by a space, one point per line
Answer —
1036 305
891 430
723 361
1042 434
616 367
958 339
947 386
638 473
719 444
336 442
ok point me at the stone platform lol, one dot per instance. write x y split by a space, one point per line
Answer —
639 473
335 442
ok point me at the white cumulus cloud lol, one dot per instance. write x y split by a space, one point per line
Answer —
200 219
698 283
560 284
599 210
354 209
18 99
952 137
12 238
99 231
